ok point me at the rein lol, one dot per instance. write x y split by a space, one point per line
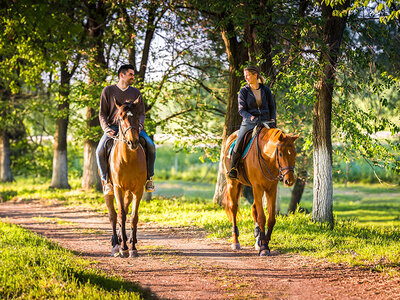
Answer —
123 132
261 160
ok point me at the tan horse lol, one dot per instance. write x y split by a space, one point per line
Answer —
270 158
128 174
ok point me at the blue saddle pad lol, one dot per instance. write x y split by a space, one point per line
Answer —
245 150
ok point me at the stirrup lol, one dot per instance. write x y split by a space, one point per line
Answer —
233 173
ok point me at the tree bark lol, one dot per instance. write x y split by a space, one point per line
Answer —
5 160
237 56
322 143
297 191
60 160
97 64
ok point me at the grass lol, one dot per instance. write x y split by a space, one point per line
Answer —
33 268
366 232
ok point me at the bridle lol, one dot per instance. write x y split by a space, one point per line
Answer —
272 177
123 132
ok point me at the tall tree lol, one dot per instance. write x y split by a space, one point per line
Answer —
69 59
98 13
332 34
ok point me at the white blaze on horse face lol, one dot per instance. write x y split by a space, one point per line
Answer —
129 114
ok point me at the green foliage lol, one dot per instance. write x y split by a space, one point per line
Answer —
189 166
34 268
362 171
35 158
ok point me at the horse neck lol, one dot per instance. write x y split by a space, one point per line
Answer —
268 139
125 152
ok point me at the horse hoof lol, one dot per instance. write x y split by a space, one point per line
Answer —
257 246
115 251
124 253
235 246
265 253
133 253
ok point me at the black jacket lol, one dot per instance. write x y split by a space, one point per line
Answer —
248 104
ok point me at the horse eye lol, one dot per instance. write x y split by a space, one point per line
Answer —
280 154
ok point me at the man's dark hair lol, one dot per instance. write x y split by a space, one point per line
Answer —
124 68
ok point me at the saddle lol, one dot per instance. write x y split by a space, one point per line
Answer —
247 143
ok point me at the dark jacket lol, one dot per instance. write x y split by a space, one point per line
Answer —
248 104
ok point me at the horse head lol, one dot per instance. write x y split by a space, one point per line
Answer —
286 158
128 121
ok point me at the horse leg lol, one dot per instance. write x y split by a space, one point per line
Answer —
271 206
134 220
112 216
233 189
121 220
258 213
256 226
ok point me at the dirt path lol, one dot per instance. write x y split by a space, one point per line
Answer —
177 263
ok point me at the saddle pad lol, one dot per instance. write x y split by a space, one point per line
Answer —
246 150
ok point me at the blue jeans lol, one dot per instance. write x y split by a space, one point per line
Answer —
244 127
149 148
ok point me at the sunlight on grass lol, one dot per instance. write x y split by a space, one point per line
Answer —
34 268
366 232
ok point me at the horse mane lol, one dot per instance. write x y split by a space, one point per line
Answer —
273 135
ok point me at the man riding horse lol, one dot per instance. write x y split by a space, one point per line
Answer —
118 94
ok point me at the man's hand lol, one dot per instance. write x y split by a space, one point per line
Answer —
252 118
110 132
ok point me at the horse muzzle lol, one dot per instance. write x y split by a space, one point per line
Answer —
288 176
133 145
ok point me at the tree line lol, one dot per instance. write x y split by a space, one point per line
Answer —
317 57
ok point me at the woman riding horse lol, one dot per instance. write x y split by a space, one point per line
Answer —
269 159
256 105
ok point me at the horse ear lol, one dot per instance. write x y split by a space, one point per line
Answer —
294 137
137 100
115 102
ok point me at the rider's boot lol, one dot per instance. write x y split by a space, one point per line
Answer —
107 187
233 173
149 186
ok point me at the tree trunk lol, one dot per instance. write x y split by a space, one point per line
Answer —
322 144
91 178
5 160
60 160
237 56
297 191
97 64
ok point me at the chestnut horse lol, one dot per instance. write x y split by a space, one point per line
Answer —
271 157
128 175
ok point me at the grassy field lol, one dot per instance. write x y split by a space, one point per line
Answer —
366 233
34 268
